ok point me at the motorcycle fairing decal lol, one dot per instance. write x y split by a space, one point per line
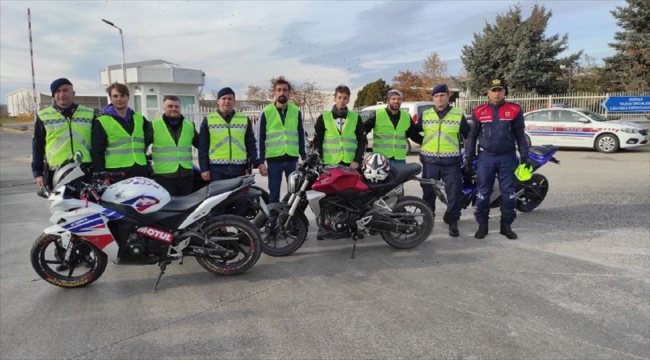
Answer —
142 202
87 224
112 215
157 234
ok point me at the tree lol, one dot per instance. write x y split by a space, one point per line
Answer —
372 93
629 68
517 49
413 86
255 93
434 71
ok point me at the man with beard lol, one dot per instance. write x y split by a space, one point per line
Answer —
339 136
172 138
391 126
226 143
118 137
281 138
60 130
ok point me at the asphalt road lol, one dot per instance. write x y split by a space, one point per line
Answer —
575 285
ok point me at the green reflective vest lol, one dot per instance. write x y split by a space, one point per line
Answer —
387 139
65 136
339 147
166 154
281 139
124 150
441 135
227 141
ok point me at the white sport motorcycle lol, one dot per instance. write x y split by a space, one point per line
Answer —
138 217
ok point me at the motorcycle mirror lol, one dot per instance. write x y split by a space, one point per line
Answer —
78 156
43 192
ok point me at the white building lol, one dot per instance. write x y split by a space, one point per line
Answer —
20 102
149 82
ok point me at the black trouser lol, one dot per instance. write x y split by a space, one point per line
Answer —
176 186
453 179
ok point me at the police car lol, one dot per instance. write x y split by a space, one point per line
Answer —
582 128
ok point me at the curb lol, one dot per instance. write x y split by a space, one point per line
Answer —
14 130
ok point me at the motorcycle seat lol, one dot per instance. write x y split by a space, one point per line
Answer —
542 150
182 203
401 172
222 186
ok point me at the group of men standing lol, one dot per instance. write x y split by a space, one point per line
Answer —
118 138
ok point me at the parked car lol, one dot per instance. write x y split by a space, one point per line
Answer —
414 108
582 128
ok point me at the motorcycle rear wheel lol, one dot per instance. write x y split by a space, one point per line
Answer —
281 245
245 250
85 257
527 203
425 227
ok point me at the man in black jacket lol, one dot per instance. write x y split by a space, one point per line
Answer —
339 114
172 137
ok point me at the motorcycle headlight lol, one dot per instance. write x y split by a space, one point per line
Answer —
293 182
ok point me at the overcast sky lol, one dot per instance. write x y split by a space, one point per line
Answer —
237 43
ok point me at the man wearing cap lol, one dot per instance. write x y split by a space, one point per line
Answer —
172 138
119 137
59 131
226 143
498 126
440 154
339 135
280 138
391 126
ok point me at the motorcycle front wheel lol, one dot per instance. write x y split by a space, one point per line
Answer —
87 263
528 200
423 221
239 237
281 240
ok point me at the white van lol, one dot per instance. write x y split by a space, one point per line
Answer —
414 108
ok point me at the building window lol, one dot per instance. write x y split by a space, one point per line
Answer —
152 102
186 101
137 102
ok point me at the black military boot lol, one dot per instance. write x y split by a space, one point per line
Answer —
507 231
482 231
453 229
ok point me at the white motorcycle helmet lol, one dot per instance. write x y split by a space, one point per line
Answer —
375 167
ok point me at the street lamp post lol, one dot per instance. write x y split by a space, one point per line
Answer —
123 54
570 67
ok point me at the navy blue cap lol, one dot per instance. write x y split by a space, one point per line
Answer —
225 91
57 83
442 88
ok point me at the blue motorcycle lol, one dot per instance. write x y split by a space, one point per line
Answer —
530 194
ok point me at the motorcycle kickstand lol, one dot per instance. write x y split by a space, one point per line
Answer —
163 266
354 244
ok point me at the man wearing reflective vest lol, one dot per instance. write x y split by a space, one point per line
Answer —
226 143
498 127
119 137
172 138
440 154
59 131
339 135
391 127
281 138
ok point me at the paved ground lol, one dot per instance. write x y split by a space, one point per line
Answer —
576 285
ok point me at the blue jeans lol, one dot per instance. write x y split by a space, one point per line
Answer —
487 169
393 162
276 169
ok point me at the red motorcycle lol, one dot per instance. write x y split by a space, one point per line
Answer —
348 206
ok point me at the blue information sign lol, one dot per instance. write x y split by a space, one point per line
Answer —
639 103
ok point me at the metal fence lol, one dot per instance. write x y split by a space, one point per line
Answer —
530 102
